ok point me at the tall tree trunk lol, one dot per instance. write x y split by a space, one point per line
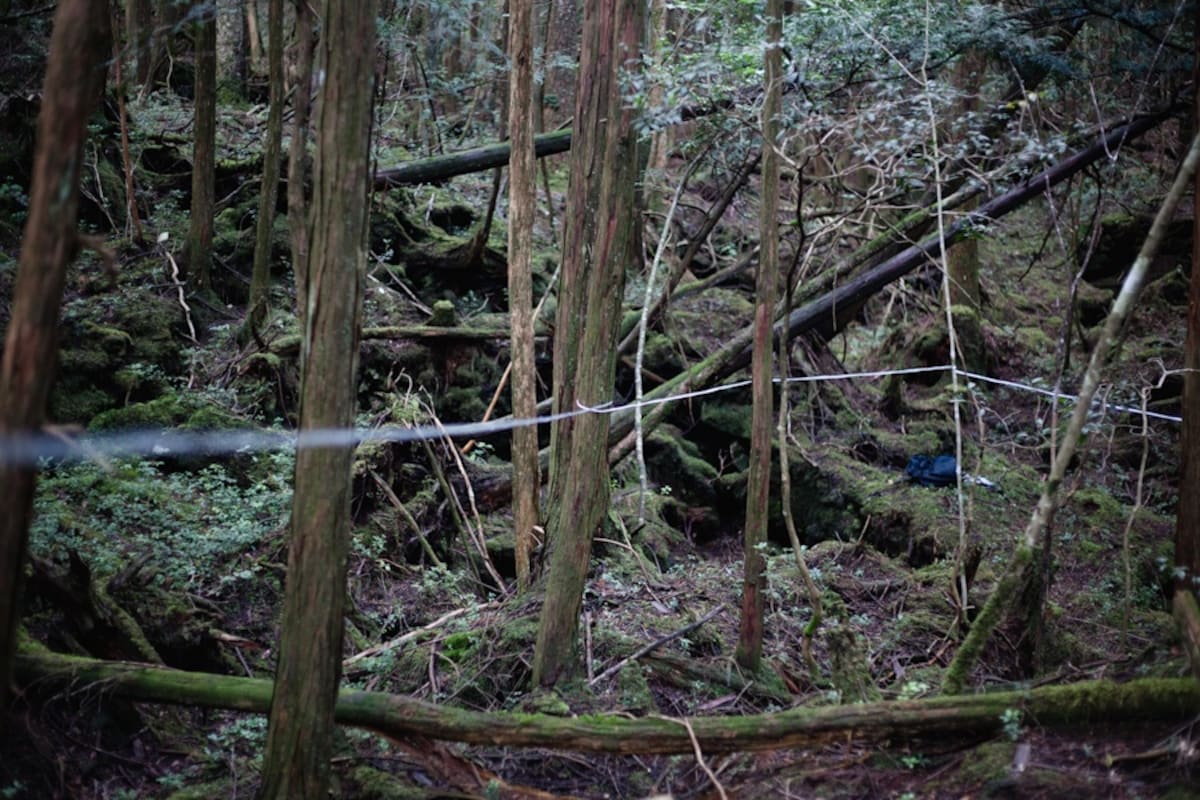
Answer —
139 32
198 257
260 277
1187 520
298 156
80 47
301 724
597 246
253 39
522 208
758 483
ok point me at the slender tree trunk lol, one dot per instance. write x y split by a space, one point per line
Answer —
1187 520
298 156
300 729
198 258
260 277
758 484
80 47
522 208
1024 568
139 30
253 39
597 246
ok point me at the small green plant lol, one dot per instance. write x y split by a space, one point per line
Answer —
1011 719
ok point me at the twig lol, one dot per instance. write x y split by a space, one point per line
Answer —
686 629
537 312
187 311
587 645
408 517
392 644
712 776
477 532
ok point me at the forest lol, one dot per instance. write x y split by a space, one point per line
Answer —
618 399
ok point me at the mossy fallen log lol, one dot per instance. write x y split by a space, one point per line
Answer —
478 159
290 345
1078 704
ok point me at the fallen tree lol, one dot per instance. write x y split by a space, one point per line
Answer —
832 311
1084 703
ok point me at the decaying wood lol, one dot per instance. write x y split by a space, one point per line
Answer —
478 159
1088 702
290 345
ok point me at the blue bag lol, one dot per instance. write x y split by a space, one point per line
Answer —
930 471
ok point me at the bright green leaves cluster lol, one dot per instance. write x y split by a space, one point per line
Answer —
193 527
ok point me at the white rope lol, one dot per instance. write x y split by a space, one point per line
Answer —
30 449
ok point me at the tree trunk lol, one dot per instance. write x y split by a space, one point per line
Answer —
80 47
297 208
253 39
1024 571
758 483
597 246
1187 519
522 207
260 277
139 33
198 257
300 729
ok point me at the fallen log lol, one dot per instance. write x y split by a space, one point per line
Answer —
290 344
478 159
1088 702
832 311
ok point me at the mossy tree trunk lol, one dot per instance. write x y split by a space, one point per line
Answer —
1187 520
758 484
297 207
1021 579
301 724
260 277
80 48
597 246
198 256
522 208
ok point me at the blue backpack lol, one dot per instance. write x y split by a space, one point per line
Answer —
930 471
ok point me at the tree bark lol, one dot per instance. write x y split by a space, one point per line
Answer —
197 261
1187 515
300 728
758 482
522 208
1098 703
597 246
80 47
297 207
260 276
139 30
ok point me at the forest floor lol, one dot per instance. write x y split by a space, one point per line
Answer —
181 558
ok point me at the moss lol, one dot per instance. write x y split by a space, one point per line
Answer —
731 419
988 762
203 791
633 689
375 784
71 405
